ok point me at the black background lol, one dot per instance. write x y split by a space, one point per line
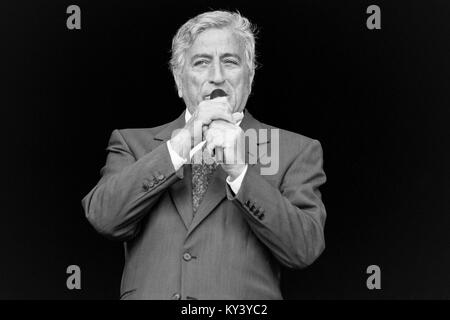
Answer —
378 101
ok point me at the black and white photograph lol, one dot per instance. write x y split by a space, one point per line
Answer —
225 150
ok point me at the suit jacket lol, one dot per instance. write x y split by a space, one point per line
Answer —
234 246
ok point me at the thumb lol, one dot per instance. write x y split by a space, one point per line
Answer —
220 99
237 116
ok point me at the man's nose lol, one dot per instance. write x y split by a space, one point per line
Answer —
216 75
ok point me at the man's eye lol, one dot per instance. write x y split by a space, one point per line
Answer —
200 63
230 61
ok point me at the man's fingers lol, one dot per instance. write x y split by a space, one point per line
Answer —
237 116
206 119
222 125
214 138
220 99
214 110
222 116
210 145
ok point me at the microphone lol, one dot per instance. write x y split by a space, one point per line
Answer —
218 151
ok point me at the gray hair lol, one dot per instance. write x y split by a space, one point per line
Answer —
188 32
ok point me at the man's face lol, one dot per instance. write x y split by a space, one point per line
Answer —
215 60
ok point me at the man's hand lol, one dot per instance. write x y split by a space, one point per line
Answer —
230 137
192 133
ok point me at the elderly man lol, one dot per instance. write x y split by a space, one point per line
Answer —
210 230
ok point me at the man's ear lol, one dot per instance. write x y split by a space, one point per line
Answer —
177 77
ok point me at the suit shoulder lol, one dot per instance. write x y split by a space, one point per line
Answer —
291 139
138 138
137 133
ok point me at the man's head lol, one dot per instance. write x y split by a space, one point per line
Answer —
214 50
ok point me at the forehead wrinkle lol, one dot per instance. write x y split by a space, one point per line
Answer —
222 41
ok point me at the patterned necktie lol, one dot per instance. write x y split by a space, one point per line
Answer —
201 176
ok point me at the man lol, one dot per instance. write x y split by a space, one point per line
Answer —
206 230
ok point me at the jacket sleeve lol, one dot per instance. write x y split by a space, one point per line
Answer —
128 188
290 219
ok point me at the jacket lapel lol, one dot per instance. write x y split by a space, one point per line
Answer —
166 133
180 191
215 193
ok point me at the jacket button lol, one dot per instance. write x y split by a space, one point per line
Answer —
176 296
187 256
247 203
160 177
145 186
261 216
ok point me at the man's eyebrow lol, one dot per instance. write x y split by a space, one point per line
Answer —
210 57
201 55
231 55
